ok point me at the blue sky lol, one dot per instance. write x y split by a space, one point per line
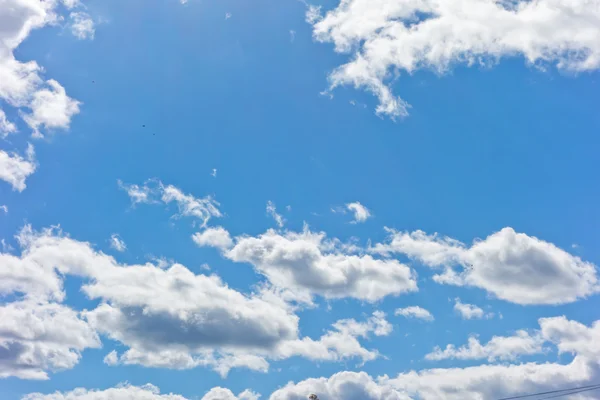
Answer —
284 101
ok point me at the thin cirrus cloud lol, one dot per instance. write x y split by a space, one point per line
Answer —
272 212
384 36
154 191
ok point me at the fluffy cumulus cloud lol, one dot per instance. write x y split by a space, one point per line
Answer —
512 266
15 169
384 37
470 311
415 312
308 264
169 317
21 83
155 192
36 337
361 213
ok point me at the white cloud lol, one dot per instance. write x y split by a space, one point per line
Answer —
117 243
272 211
227 16
470 311
415 312
4 208
386 36
51 108
219 393
498 348
127 391
292 35
121 392
361 213
15 169
39 337
6 127
154 191
214 173
82 25
307 264
213 237
512 266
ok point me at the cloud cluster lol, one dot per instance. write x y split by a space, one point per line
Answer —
473 383
41 103
385 37
511 266
167 316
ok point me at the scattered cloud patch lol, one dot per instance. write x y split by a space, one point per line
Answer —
51 108
14 169
4 208
117 243
387 35
470 311
6 127
415 312
227 16
82 25
361 213
214 173
512 266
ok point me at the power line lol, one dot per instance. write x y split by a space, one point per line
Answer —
588 387
570 393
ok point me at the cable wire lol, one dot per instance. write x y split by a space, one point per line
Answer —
588 387
570 393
